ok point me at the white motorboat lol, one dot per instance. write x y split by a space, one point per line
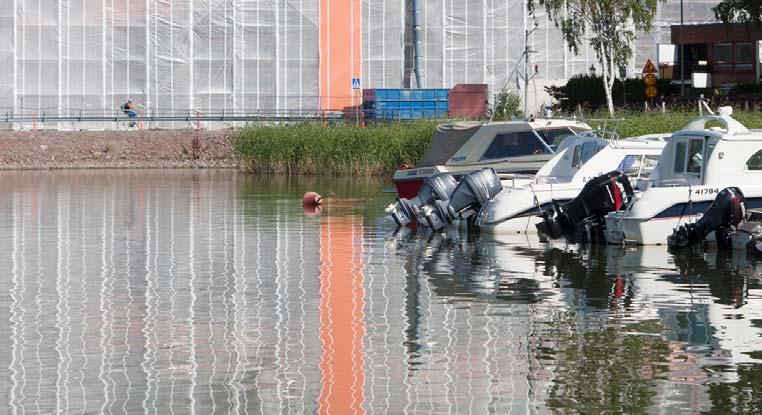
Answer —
696 165
517 207
508 147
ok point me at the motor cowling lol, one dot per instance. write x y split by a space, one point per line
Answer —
473 191
726 212
437 187
609 192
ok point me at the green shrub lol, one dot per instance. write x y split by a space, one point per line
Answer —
587 91
507 105
746 89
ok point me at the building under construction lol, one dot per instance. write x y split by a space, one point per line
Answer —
224 57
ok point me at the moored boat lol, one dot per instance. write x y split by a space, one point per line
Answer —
517 209
697 164
516 147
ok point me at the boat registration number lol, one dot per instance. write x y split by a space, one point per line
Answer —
706 191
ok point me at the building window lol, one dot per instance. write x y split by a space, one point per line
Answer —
744 56
723 57
734 57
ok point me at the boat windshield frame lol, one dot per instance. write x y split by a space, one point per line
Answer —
547 148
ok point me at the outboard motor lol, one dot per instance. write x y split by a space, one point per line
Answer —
437 187
726 212
753 226
601 195
472 192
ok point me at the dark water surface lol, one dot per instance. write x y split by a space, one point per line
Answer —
212 292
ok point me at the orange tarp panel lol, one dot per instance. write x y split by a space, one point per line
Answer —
342 328
340 53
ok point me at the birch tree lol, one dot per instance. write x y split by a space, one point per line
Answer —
609 27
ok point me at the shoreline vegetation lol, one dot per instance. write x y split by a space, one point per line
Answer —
342 150
338 149
310 149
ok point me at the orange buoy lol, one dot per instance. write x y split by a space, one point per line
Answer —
312 211
311 199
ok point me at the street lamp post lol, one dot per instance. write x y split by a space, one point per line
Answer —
682 52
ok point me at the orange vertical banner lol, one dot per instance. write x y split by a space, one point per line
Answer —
340 53
342 327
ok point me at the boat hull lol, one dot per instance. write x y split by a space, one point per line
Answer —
626 228
408 189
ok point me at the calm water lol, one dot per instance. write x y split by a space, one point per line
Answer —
212 292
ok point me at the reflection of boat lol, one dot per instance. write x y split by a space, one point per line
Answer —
748 235
516 208
508 147
706 299
696 165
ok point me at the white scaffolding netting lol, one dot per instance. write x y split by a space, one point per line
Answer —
482 41
193 56
73 57
383 48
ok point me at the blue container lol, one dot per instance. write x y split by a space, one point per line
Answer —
405 104
392 94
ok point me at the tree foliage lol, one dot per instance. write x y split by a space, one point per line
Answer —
739 11
609 26
507 105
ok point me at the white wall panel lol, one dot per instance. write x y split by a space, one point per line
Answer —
189 56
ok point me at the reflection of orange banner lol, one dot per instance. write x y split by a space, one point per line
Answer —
340 53
342 299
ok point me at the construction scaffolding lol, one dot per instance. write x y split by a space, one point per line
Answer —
68 57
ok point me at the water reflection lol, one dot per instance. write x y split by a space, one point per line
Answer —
211 292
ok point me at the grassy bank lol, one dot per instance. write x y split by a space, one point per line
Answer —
312 148
630 125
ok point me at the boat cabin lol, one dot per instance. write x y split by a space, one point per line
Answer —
711 150
466 143
587 156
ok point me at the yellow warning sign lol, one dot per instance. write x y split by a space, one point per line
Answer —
651 92
649 68
649 79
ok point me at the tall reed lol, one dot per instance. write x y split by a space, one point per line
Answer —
312 148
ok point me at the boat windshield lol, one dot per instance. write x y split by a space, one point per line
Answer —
584 152
638 166
555 136
516 144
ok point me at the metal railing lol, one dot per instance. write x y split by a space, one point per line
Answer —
155 118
